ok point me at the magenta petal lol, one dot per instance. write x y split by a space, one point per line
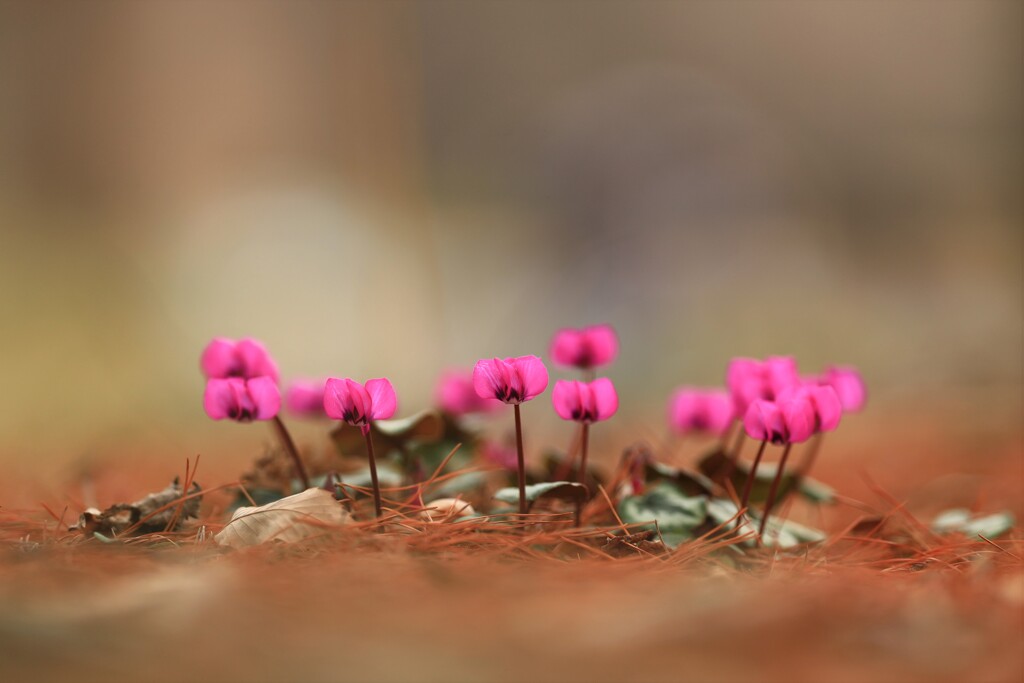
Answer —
780 373
740 371
305 397
383 401
603 344
829 409
849 385
265 396
337 400
719 410
683 408
606 399
255 360
800 419
218 359
566 347
565 397
219 398
487 380
533 374
361 403
761 420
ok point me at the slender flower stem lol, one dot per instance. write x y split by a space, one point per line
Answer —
770 502
373 472
583 457
522 461
293 452
750 476
562 472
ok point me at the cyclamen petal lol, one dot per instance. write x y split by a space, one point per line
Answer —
824 402
700 410
533 374
488 380
763 421
455 394
246 358
512 380
305 397
358 405
242 400
606 399
337 399
849 385
800 419
382 398
266 397
585 401
585 348
565 397
218 359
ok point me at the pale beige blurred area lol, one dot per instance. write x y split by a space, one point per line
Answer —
389 188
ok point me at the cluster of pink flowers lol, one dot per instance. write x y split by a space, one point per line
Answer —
769 398
241 381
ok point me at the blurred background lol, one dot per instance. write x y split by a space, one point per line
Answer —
390 188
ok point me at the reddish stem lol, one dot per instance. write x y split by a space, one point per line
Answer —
750 477
774 489
522 461
293 452
373 472
585 438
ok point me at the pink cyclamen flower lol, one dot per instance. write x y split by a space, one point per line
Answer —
849 385
359 405
457 396
245 358
749 379
700 410
585 348
823 399
242 400
585 401
305 397
511 380
791 421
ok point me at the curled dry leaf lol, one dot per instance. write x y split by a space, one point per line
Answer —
123 516
290 519
446 509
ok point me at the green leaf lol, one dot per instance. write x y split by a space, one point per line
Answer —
817 492
780 534
960 520
788 534
463 483
690 483
676 515
385 475
557 490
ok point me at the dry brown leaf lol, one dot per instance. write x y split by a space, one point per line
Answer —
290 519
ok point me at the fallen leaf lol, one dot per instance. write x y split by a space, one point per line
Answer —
570 492
123 516
288 520
446 509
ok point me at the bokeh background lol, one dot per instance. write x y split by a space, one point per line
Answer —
390 188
